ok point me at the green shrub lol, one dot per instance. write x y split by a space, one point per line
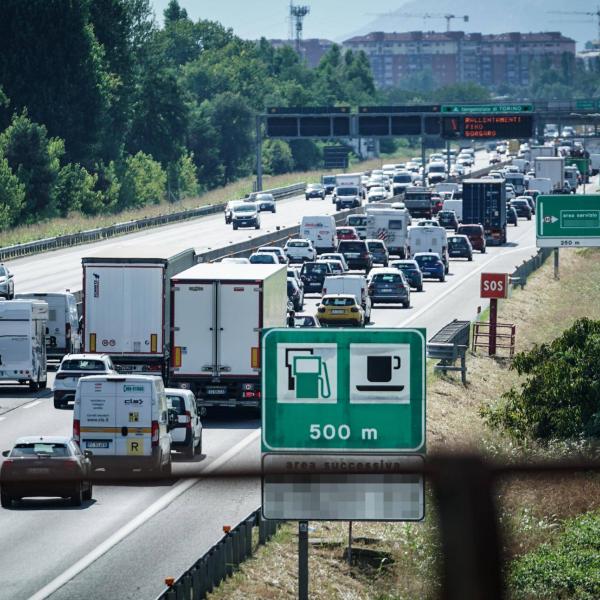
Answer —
560 397
143 182
568 568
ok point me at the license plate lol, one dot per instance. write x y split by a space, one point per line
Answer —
97 444
352 255
38 471
337 312
216 391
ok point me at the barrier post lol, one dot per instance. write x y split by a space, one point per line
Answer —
493 326
302 560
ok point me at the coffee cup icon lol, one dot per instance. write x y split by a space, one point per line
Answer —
380 371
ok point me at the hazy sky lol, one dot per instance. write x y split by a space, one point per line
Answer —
252 19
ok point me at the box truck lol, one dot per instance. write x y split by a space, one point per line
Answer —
63 336
484 202
23 326
348 190
418 202
219 312
552 168
126 305
391 226
537 151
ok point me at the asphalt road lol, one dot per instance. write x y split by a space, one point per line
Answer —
124 542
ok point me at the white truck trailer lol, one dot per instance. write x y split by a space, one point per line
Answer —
391 226
126 305
219 313
553 168
23 326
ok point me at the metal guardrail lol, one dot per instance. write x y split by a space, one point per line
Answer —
221 561
523 271
448 344
101 233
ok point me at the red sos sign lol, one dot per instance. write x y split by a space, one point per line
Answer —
494 285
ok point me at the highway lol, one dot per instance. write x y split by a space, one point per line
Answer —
124 542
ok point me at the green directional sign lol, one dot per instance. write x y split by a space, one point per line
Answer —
487 108
327 390
564 221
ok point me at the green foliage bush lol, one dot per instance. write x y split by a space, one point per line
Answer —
569 568
143 182
12 196
560 397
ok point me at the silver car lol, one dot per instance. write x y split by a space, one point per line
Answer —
7 285
264 201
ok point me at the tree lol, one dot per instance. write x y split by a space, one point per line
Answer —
74 191
174 13
12 196
35 161
108 185
560 397
142 182
277 157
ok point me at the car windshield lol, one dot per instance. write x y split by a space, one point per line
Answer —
268 250
457 241
40 448
329 179
470 230
177 403
315 186
314 268
2 272
331 301
347 191
263 197
427 259
265 258
437 168
377 190
245 208
305 321
387 278
375 246
402 178
352 246
297 244
357 221
519 202
82 365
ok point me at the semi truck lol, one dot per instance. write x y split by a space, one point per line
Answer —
553 168
23 325
391 226
126 306
219 313
484 202
418 202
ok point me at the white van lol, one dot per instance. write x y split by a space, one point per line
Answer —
320 230
124 422
350 284
63 336
542 184
456 206
429 239
22 342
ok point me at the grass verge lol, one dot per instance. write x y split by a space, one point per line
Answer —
534 512
78 222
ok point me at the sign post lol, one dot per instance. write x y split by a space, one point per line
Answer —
493 286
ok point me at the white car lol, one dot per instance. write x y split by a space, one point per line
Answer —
376 194
7 286
71 369
278 252
237 260
335 256
264 258
186 426
336 266
299 250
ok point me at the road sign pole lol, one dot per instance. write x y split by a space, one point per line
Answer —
302 560
350 543
493 326
556 273
259 153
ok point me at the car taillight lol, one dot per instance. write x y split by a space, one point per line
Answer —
187 419
71 463
154 433
68 331
76 430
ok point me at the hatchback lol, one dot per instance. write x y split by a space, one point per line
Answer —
431 265
315 190
459 246
412 272
340 309
447 219
313 275
476 236
46 466
346 233
522 208
264 202
356 254
278 252
388 285
186 426
379 252
335 256
264 258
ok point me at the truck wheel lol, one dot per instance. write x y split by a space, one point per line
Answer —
43 384
34 386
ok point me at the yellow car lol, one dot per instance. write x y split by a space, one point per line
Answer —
340 309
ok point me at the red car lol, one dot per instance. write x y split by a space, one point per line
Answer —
438 203
347 233
475 234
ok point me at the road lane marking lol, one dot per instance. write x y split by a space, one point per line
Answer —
461 281
138 521
2 418
32 404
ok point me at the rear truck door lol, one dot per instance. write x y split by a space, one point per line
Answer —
239 328
97 419
194 332
134 418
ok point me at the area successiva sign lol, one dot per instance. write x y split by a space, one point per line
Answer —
494 285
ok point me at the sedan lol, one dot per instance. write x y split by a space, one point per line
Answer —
265 202
378 251
315 190
412 272
459 246
46 466
431 265
522 208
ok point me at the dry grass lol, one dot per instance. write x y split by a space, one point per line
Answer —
531 509
78 222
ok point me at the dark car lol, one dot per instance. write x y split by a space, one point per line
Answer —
314 190
476 236
412 272
529 200
459 246
313 275
295 294
511 216
379 252
46 466
389 286
447 219
431 265
522 208
357 254
329 183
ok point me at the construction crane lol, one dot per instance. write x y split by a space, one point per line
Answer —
595 13
297 14
424 16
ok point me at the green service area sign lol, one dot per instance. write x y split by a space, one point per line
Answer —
334 390
568 221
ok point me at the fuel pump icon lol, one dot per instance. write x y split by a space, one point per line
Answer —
312 378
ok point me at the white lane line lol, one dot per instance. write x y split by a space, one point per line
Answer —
461 281
135 523
32 404
2 418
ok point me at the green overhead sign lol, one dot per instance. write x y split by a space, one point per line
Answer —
564 221
486 109
342 390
